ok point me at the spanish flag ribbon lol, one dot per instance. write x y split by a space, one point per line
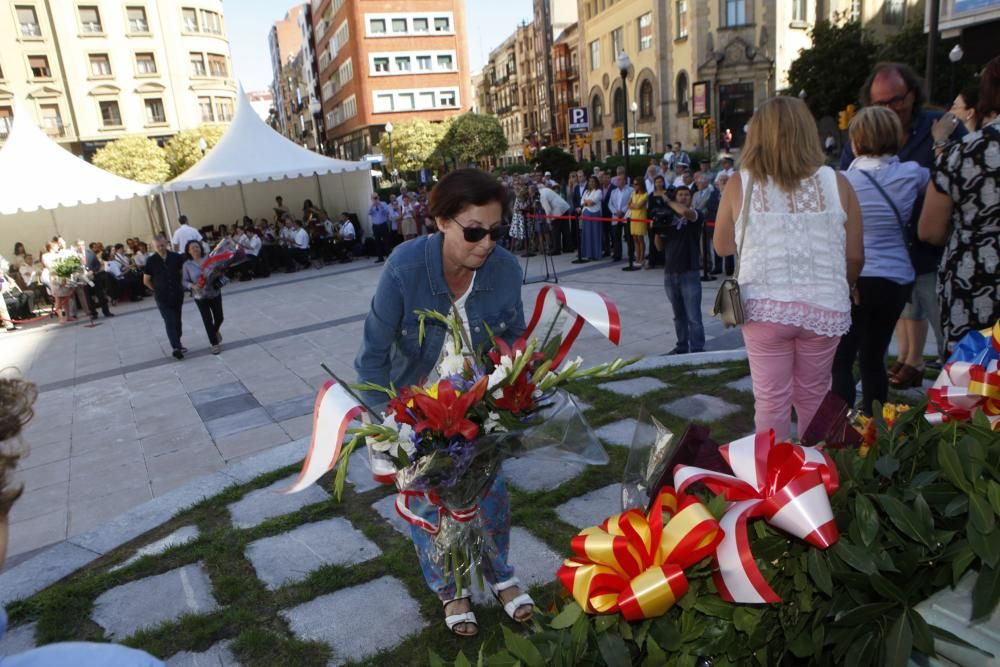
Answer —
634 563
969 381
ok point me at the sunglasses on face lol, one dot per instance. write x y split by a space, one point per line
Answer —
892 103
477 234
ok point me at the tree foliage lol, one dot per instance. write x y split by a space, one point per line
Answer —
134 157
909 46
556 160
473 138
832 70
414 143
183 151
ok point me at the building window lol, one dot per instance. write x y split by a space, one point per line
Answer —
39 67
154 111
618 106
646 100
646 31
617 42
894 12
381 64
682 19
425 100
445 62
799 11
405 102
223 109
736 12
595 54
28 20
597 111
137 22
51 120
110 114
424 63
442 24
6 121
346 72
90 19
857 10
100 64
448 99
217 65
403 63
383 103
205 107
340 38
145 63
189 16
198 64
376 26
399 25
682 93
421 25
211 22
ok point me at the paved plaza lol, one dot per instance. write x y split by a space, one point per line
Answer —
118 422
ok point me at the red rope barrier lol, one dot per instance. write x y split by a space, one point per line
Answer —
645 221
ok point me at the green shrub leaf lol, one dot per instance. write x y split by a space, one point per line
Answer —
981 514
820 571
887 465
905 519
899 642
855 557
923 640
993 493
567 617
987 592
866 518
613 650
951 466
987 547
521 648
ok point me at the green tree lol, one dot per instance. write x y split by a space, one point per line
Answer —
135 157
556 160
183 151
909 46
414 143
473 138
832 70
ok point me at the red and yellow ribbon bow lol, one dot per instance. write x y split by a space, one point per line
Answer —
634 563
970 380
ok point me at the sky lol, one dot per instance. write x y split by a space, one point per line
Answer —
248 22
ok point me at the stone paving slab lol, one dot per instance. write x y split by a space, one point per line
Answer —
621 432
635 387
699 407
125 609
233 424
592 508
179 537
534 472
707 372
18 640
210 394
383 604
273 459
386 508
55 563
218 655
223 407
292 407
693 359
258 506
744 384
290 557
359 474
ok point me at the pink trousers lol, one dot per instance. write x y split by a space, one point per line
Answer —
789 366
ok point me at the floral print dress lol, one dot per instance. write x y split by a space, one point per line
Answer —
969 276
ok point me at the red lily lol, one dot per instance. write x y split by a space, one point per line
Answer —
517 397
447 413
399 409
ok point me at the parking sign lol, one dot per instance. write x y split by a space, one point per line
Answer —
579 123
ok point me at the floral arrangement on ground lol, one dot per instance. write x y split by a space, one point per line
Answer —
917 511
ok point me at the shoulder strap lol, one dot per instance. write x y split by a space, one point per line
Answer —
744 214
885 195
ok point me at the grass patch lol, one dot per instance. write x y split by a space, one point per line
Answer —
250 613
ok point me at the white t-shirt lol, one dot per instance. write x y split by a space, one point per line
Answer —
347 231
184 235
301 238
114 268
251 244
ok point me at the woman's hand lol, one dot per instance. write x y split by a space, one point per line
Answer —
944 126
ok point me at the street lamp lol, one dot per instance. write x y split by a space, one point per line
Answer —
315 108
624 64
392 164
955 56
202 145
802 94
635 126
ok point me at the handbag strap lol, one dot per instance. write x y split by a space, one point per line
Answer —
744 213
892 204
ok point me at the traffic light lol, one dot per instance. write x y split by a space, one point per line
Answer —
619 134
708 128
850 112
842 120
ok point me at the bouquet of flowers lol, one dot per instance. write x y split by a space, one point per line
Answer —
224 256
67 265
443 441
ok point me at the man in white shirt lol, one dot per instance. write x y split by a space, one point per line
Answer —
29 272
679 170
251 244
727 169
184 234
667 161
298 251
346 237
553 204
618 201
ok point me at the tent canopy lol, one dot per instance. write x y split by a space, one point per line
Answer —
251 151
37 173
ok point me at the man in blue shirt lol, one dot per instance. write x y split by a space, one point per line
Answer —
379 213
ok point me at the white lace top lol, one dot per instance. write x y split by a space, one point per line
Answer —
793 268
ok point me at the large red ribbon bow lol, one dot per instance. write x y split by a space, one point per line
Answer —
787 485
970 380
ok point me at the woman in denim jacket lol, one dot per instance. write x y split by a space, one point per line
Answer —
460 269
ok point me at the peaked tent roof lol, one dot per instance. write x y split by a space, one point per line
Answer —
36 172
251 150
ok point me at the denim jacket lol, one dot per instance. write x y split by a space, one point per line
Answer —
413 279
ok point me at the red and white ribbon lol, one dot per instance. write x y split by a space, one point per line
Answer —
335 409
564 310
403 499
787 485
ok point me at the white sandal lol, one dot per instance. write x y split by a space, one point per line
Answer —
465 617
522 600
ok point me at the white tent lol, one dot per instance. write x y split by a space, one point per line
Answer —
47 191
252 164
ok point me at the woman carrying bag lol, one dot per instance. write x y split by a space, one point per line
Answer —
208 297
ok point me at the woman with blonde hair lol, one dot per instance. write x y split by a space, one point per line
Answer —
887 191
797 237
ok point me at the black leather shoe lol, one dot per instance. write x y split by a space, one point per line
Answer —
178 354
677 350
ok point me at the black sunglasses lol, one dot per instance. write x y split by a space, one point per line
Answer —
477 234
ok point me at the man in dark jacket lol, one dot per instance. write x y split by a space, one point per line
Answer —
163 277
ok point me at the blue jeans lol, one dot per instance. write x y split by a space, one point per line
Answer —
495 510
170 311
684 292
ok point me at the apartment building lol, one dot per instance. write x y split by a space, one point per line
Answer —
284 43
565 84
92 71
502 96
551 18
382 62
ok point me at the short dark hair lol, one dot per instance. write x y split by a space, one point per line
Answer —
989 89
188 245
906 73
462 188
182 219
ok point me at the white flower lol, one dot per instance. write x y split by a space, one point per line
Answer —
501 372
451 364
498 394
492 424
402 440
